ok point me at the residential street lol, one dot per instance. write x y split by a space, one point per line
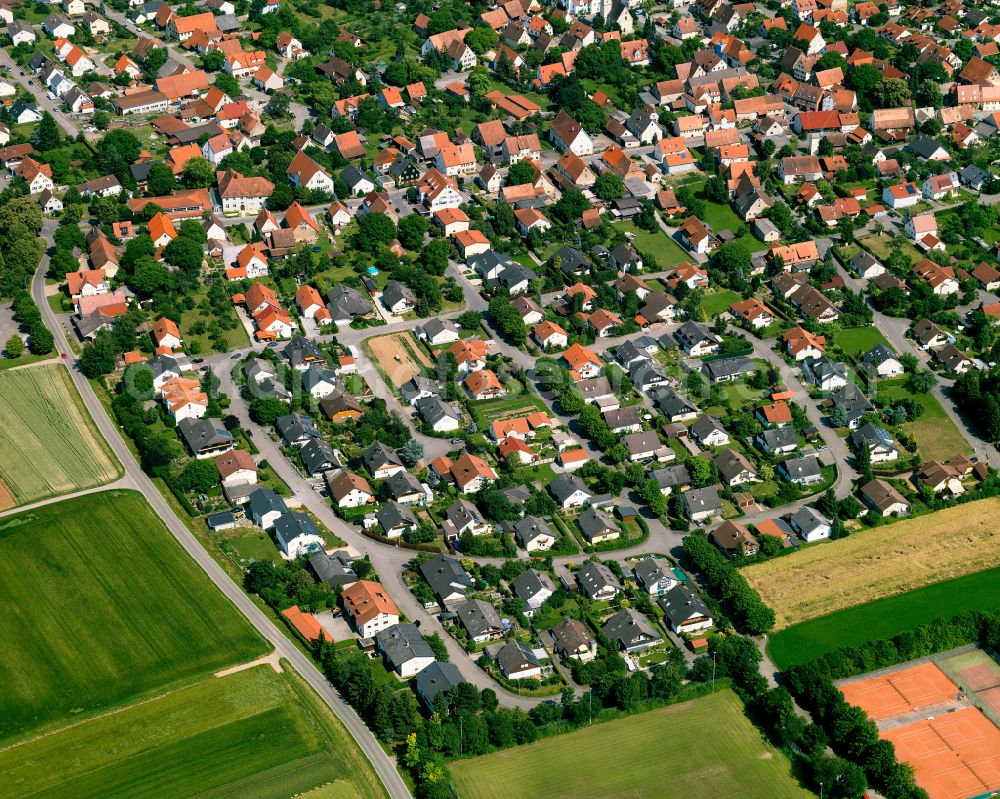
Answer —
135 478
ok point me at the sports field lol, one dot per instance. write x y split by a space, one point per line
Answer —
881 562
953 747
254 733
884 618
102 608
48 442
699 749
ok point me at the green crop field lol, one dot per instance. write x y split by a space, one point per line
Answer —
101 608
699 749
48 443
884 618
254 733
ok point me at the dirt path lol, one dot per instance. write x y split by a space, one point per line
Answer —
273 660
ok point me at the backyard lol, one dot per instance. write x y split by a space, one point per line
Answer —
878 244
936 435
668 253
882 562
48 442
718 753
857 341
109 610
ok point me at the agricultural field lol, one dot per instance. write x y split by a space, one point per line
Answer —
723 755
884 618
509 407
48 442
936 435
858 340
881 562
103 609
253 733
398 356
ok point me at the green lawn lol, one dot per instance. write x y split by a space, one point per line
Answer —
102 608
667 252
699 749
48 443
936 435
722 217
858 340
719 300
254 733
879 246
884 618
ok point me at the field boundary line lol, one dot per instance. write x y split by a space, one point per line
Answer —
273 660
123 483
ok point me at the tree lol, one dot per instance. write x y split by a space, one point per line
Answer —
374 231
715 190
411 231
227 84
46 136
890 93
185 253
920 382
116 151
480 40
520 173
609 186
411 452
161 180
14 346
280 198
199 476
434 256
198 173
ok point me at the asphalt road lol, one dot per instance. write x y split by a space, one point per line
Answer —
134 477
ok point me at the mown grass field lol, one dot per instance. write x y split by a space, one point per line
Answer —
253 733
103 608
48 442
884 618
878 563
858 340
699 749
936 435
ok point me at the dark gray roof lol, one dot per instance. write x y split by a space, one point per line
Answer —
204 434
808 519
565 485
879 354
401 643
393 516
699 500
682 602
479 617
344 301
378 455
727 368
417 385
401 484
628 627
778 437
395 292
650 571
515 656
438 678
263 501
433 409
671 476
318 456
593 577
290 525
296 427
529 528
333 568
445 576
802 467
530 583
300 349
316 375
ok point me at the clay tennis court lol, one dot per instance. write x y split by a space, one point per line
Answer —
954 756
901 692
979 677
